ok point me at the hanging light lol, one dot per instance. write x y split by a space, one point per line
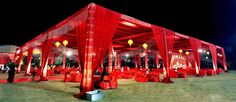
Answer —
187 53
145 45
130 42
65 42
57 44
180 50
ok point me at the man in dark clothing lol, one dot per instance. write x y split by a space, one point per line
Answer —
11 72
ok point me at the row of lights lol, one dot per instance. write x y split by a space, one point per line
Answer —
65 42
181 51
130 42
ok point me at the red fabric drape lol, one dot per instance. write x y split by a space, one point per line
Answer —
110 59
95 35
157 60
214 55
195 45
224 59
19 61
165 41
118 61
139 59
146 58
187 61
136 61
46 47
29 59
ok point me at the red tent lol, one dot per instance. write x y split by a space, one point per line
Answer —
94 30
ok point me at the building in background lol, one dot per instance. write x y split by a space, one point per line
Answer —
7 53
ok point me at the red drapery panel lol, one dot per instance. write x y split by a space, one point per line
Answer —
105 24
195 45
82 43
139 59
224 59
46 47
18 61
157 60
110 59
214 55
165 41
95 36
146 58
29 59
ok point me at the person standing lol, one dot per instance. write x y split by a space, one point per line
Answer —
11 72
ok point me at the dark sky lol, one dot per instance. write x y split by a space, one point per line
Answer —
210 20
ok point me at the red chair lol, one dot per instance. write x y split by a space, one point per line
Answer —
219 71
210 72
202 73
183 75
104 85
173 74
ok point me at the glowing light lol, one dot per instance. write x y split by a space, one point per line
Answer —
200 50
187 53
218 54
145 45
127 55
208 52
206 57
68 53
25 53
144 54
65 42
57 44
130 42
180 50
129 24
18 51
36 51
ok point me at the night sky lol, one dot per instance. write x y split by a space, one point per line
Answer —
210 20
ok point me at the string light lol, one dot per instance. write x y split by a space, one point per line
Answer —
145 45
57 44
130 42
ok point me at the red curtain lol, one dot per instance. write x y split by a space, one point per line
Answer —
157 60
165 41
95 36
110 59
46 47
224 59
139 60
214 55
29 59
146 58
196 45
19 61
